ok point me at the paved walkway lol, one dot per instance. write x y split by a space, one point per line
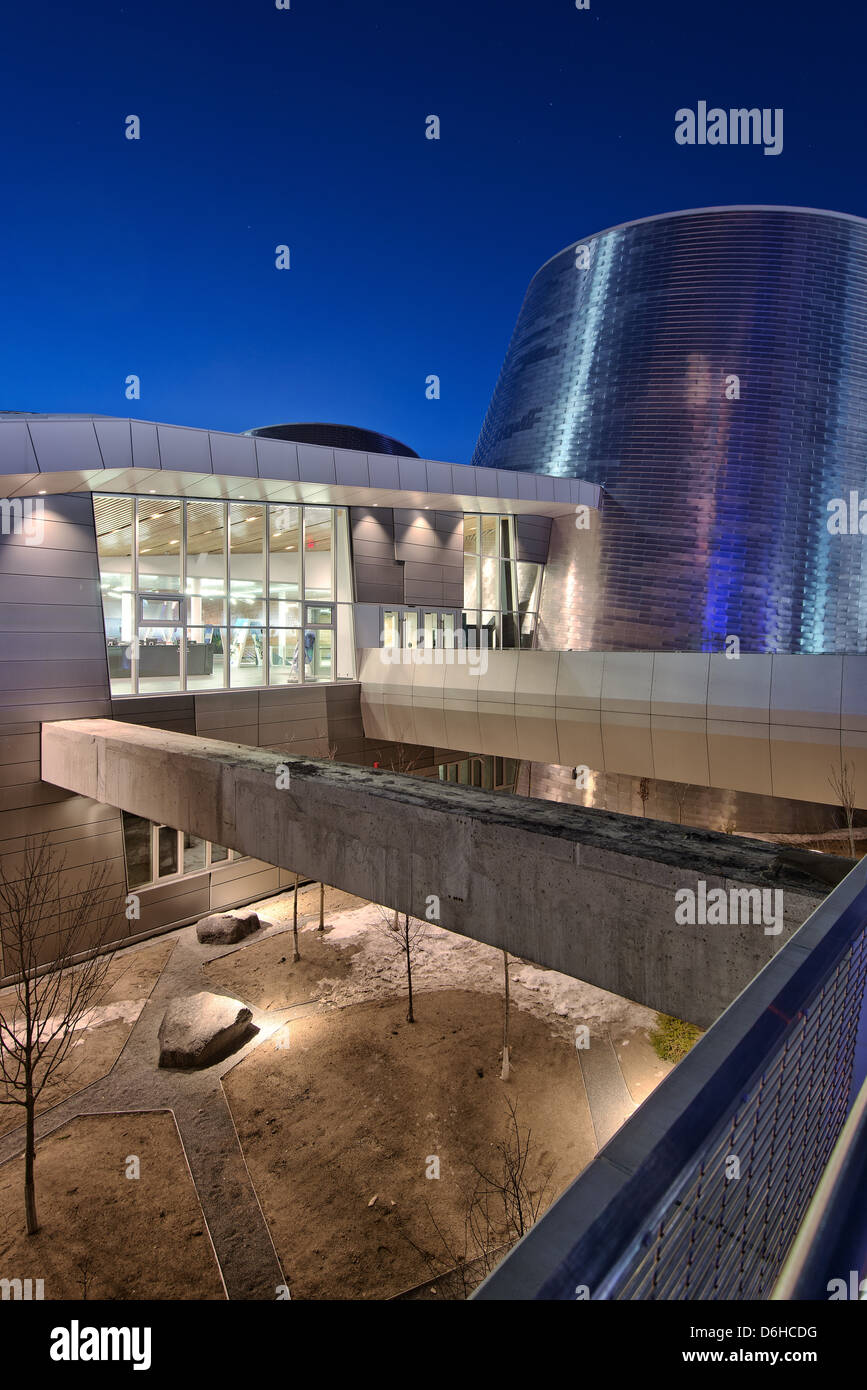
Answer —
245 1252
243 1246
607 1093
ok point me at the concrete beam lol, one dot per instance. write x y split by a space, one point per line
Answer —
586 892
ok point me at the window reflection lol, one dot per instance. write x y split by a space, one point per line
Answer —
186 605
505 589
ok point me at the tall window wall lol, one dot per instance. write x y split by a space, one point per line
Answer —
210 595
501 593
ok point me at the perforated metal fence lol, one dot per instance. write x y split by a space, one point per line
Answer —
725 1232
701 1193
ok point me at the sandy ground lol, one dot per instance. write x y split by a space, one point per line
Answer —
131 976
139 1238
344 1107
340 1113
373 969
263 972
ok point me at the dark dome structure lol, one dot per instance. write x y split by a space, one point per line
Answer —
337 437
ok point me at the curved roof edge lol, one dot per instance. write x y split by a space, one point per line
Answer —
692 212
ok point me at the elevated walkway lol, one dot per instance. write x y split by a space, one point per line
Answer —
774 725
585 892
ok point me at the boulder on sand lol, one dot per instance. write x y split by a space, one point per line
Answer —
202 1028
224 928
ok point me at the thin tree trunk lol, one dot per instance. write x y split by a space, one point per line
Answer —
321 907
504 1074
409 1014
297 955
29 1165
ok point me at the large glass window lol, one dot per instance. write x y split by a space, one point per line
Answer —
115 538
159 545
284 645
209 595
506 590
318 553
284 573
246 565
206 564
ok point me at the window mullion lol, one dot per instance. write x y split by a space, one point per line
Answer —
266 644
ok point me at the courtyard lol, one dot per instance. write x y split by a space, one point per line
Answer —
338 1152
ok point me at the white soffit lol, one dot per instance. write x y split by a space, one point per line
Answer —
266 470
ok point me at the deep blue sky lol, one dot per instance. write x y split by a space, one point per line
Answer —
409 256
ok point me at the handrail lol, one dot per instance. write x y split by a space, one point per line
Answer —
593 1236
830 1249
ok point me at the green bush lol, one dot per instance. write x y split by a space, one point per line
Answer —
672 1038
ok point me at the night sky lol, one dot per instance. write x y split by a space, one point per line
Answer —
409 256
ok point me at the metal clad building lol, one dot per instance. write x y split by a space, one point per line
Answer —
715 505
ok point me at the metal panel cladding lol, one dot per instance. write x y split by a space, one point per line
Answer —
709 368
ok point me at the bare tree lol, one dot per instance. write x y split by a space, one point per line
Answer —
681 791
501 1206
42 920
406 935
85 1268
329 755
507 1201
504 1074
296 954
842 784
403 758
644 793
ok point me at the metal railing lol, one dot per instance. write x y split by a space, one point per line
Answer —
829 1255
700 1195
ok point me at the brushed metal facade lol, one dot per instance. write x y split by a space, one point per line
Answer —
715 508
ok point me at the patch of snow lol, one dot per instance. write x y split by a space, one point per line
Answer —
443 960
126 1010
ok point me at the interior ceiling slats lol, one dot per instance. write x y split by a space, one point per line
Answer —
159 526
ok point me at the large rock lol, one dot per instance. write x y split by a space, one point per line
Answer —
224 928
202 1028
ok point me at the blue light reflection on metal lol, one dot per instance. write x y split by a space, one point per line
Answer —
715 512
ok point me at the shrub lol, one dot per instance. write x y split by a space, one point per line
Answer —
672 1038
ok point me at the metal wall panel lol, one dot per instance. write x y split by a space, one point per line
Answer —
715 509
